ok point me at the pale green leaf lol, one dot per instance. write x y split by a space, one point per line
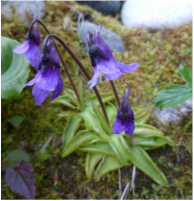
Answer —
142 117
108 164
150 142
91 161
101 118
143 162
91 120
14 70
98 146
71 128
120 148
145 129
64 101
78 141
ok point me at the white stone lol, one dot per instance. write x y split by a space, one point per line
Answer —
156 14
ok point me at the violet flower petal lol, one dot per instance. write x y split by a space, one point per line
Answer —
101 44
34 80
35 62
21 49
33 51
113 76
33 55
54 55
107 66
94 79
130 112
127 93
123 68
129 127
39 95
36 33
58 90
49 79
126 68
103 67
125 117
118 127
31 47
101 58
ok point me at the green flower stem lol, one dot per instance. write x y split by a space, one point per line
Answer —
81 67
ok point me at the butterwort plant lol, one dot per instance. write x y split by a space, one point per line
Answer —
48 80
125 117
103 61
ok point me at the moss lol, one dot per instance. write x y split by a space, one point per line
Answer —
159 55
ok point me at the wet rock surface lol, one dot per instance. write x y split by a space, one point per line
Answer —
156 15
35 8
104 7
112 39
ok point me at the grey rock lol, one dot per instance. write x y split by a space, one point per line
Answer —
113 40
175 114
186 108
155 15
35 8
168 115
3 3
104 7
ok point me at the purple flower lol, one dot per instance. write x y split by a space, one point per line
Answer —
48 77
103 61
31 47
125 117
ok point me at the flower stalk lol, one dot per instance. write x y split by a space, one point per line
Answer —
115 93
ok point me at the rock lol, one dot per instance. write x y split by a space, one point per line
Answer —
3 3
168 115
104 7
186 108
35 8
175 114
156 15
113 40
